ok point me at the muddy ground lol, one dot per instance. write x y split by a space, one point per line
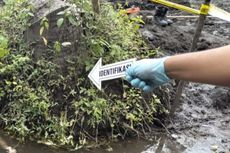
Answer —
202 123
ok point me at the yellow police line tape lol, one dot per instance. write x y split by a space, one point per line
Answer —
204 9
177 6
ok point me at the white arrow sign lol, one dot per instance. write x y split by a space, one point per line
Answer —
108 72
219 13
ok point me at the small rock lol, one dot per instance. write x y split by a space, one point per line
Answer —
203 112
215 32
183 95
214 147
196 94
109 149
149 19
148 35
11 150
195 119
224 141
174 136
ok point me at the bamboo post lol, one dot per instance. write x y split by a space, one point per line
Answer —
180 87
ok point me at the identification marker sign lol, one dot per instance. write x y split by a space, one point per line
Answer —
101 73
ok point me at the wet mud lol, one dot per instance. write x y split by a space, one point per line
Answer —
202 123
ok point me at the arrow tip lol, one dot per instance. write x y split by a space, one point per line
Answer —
94 74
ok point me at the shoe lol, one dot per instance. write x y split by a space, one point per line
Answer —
160 16
160 21
169 21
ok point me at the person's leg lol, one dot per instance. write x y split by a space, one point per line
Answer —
160 16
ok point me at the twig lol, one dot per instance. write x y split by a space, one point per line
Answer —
166 129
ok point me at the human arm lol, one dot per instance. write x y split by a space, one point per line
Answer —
210 66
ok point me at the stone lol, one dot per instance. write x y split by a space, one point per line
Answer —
174 136
149 19
68 33
214 148
148 35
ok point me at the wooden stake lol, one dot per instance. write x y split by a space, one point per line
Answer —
180 87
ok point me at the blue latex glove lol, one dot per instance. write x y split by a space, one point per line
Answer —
147 74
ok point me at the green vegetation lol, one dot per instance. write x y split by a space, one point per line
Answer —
53 101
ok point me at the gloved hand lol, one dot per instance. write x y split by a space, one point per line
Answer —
147 74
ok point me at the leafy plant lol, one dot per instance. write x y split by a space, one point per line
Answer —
14 16
3 46
52 100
